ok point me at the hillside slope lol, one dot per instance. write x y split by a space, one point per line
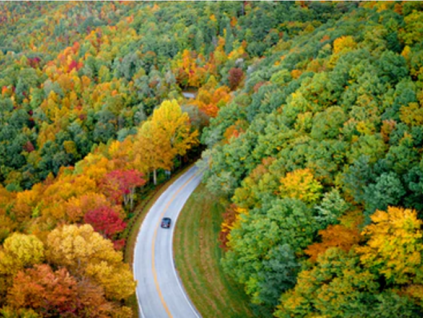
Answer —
321 155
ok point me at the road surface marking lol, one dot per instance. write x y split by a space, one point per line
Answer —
175 272
154 242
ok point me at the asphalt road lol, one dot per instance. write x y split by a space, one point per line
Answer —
159 291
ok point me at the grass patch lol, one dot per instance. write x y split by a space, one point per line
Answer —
133 228
197 258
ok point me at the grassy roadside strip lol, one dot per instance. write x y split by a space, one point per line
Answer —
135 225
197 258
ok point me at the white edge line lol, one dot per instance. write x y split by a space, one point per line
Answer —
135 271
195 311
135 253
135 249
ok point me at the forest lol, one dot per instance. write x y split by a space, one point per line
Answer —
310 115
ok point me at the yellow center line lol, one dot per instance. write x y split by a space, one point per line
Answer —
154 242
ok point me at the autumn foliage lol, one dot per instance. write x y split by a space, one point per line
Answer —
395 245
334 236
301 184
230 217
235 77
314 134
99 191
105 221
51 293
120 185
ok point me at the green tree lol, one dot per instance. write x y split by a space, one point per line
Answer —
327 124
264 241
387 191
337 286
331 208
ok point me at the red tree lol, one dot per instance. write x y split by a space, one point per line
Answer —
105 221
43 290
235 77
57 294
120 184
119 244
73 65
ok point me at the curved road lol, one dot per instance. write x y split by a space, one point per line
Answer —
159 291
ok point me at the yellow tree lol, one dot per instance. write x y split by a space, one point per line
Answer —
64 188
210 99
117 281
343 43
301 184
20 251
165 136
174 125
152 150
395 245
87 254
24 204
412 114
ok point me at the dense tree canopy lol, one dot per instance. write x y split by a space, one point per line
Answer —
311 113
319 152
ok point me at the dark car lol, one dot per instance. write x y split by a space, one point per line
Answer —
166 222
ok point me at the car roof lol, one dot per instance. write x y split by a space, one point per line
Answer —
166 219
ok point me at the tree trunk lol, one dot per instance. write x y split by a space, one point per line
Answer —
131 199
155 176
